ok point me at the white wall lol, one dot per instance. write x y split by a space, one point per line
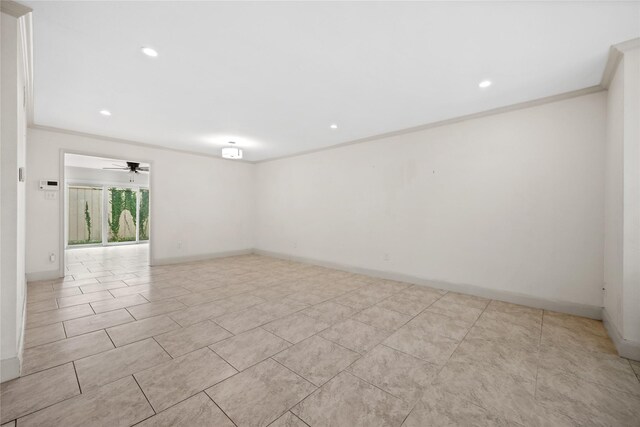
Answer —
507 204
12 212
622 204
203 203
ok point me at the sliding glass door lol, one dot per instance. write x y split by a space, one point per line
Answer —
107 215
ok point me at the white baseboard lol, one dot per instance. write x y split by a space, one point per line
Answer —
43 275
201 257
626 348
593 312
9 368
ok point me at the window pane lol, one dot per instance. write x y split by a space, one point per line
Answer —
144 214
85 215
122 214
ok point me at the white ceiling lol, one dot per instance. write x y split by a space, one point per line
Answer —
91 162
272 76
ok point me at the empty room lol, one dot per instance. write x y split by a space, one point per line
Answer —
320 213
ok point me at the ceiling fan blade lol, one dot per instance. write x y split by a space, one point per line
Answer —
143 168
120 169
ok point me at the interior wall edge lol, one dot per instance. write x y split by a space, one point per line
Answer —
590 311
626 348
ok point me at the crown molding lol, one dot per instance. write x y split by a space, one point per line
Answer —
14 9
616 52
492 112
136 143
628 45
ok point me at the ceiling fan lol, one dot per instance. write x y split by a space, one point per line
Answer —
132 167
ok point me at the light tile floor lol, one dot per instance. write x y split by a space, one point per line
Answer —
256 341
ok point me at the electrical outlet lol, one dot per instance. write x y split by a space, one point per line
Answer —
179 244
52 257
50 195
386 257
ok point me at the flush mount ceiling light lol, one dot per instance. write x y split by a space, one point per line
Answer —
105 112
333 126
149 52
484 84
231 152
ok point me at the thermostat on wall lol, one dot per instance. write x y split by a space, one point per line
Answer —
48 184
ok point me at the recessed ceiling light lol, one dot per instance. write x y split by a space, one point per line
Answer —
149 52
105 112
333 126
484 84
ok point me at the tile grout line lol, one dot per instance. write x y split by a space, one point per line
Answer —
143 393
410 355
219 407
366 381
457 346
64 329
295 373
307 396
77 378
465 335
230 364
48 406
165 350
360 356
110 339
301 420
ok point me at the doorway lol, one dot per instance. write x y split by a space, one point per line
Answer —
106 204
